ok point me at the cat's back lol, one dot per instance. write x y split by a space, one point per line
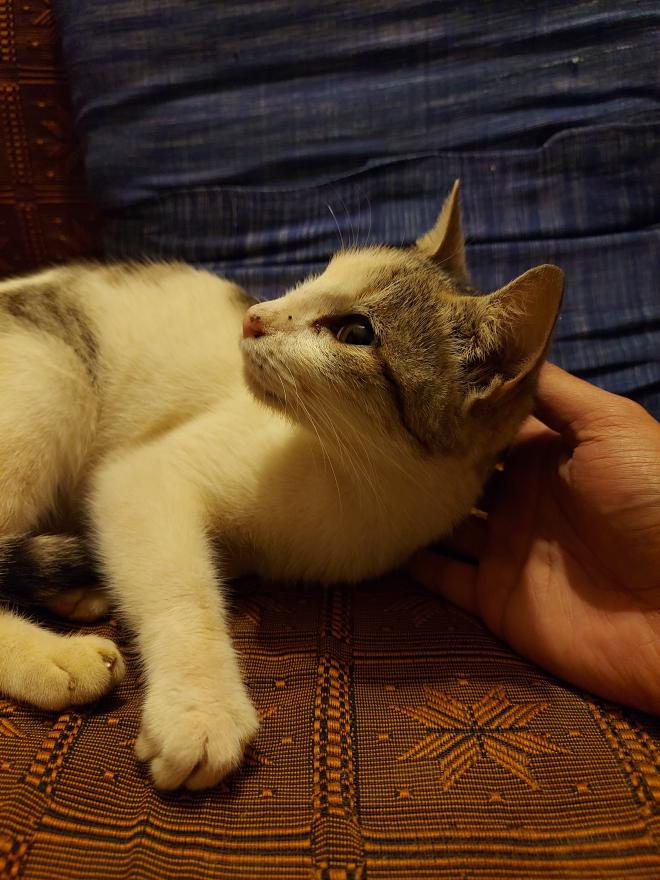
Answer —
149 308
159 340
169 344
163 316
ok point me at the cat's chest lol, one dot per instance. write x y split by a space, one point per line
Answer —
305 523
280 508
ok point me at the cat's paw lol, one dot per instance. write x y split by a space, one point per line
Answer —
84 604
68 671
195 742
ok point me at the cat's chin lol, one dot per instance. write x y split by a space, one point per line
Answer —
269 398
261 393
256 377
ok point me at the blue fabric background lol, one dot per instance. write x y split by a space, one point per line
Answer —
251 137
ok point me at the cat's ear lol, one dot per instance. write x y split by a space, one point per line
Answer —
444 243
512 333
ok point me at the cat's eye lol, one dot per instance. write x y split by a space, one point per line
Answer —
355 330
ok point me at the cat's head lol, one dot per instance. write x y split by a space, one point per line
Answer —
394 343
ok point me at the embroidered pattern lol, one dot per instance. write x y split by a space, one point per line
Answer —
253 757
7 726
45 216
421 609
54 750
461 734
250 609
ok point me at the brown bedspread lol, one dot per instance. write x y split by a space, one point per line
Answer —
44 211
399 740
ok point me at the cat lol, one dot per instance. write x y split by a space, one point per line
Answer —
355 423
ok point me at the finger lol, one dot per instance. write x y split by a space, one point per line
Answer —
567 404
467 541
491 490
531 429
453 580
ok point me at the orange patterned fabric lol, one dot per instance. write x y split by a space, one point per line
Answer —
44 214
398 740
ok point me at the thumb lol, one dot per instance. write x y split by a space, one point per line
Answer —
453 580
571 406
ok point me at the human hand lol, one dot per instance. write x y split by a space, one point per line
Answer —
569 559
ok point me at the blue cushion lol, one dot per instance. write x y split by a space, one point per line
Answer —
252 137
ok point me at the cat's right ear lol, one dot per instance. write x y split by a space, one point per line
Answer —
444 243
512 331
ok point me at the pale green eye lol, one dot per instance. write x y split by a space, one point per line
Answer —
355 331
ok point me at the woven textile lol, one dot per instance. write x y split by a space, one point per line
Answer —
44 213
399 740
254 138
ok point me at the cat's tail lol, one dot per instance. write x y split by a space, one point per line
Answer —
36 568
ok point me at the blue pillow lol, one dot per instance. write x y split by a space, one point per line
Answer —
253 138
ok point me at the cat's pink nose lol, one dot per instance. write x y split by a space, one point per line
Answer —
253 326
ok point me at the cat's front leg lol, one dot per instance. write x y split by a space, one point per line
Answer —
151 527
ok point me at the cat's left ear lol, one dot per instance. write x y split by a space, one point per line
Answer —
512 331
444 243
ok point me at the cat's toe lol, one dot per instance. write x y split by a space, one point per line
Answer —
145 748
78 670
196 745
223 753
83 604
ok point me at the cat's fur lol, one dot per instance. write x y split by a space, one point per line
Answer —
129 412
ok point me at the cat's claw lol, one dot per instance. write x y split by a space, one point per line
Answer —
69 671
195 743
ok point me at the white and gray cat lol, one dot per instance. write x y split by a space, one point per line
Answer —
355 423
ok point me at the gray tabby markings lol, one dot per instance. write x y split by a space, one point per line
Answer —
50 310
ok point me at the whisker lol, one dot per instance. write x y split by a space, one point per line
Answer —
341 237
363 192
393 462
352 240
316 431
450 257
345 448
283 390
360 464
359 459
370 217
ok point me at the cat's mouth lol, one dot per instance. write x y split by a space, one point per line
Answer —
255 377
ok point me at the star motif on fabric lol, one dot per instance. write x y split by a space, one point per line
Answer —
45 17
420 608
462 734
253 757
7 726
251 607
